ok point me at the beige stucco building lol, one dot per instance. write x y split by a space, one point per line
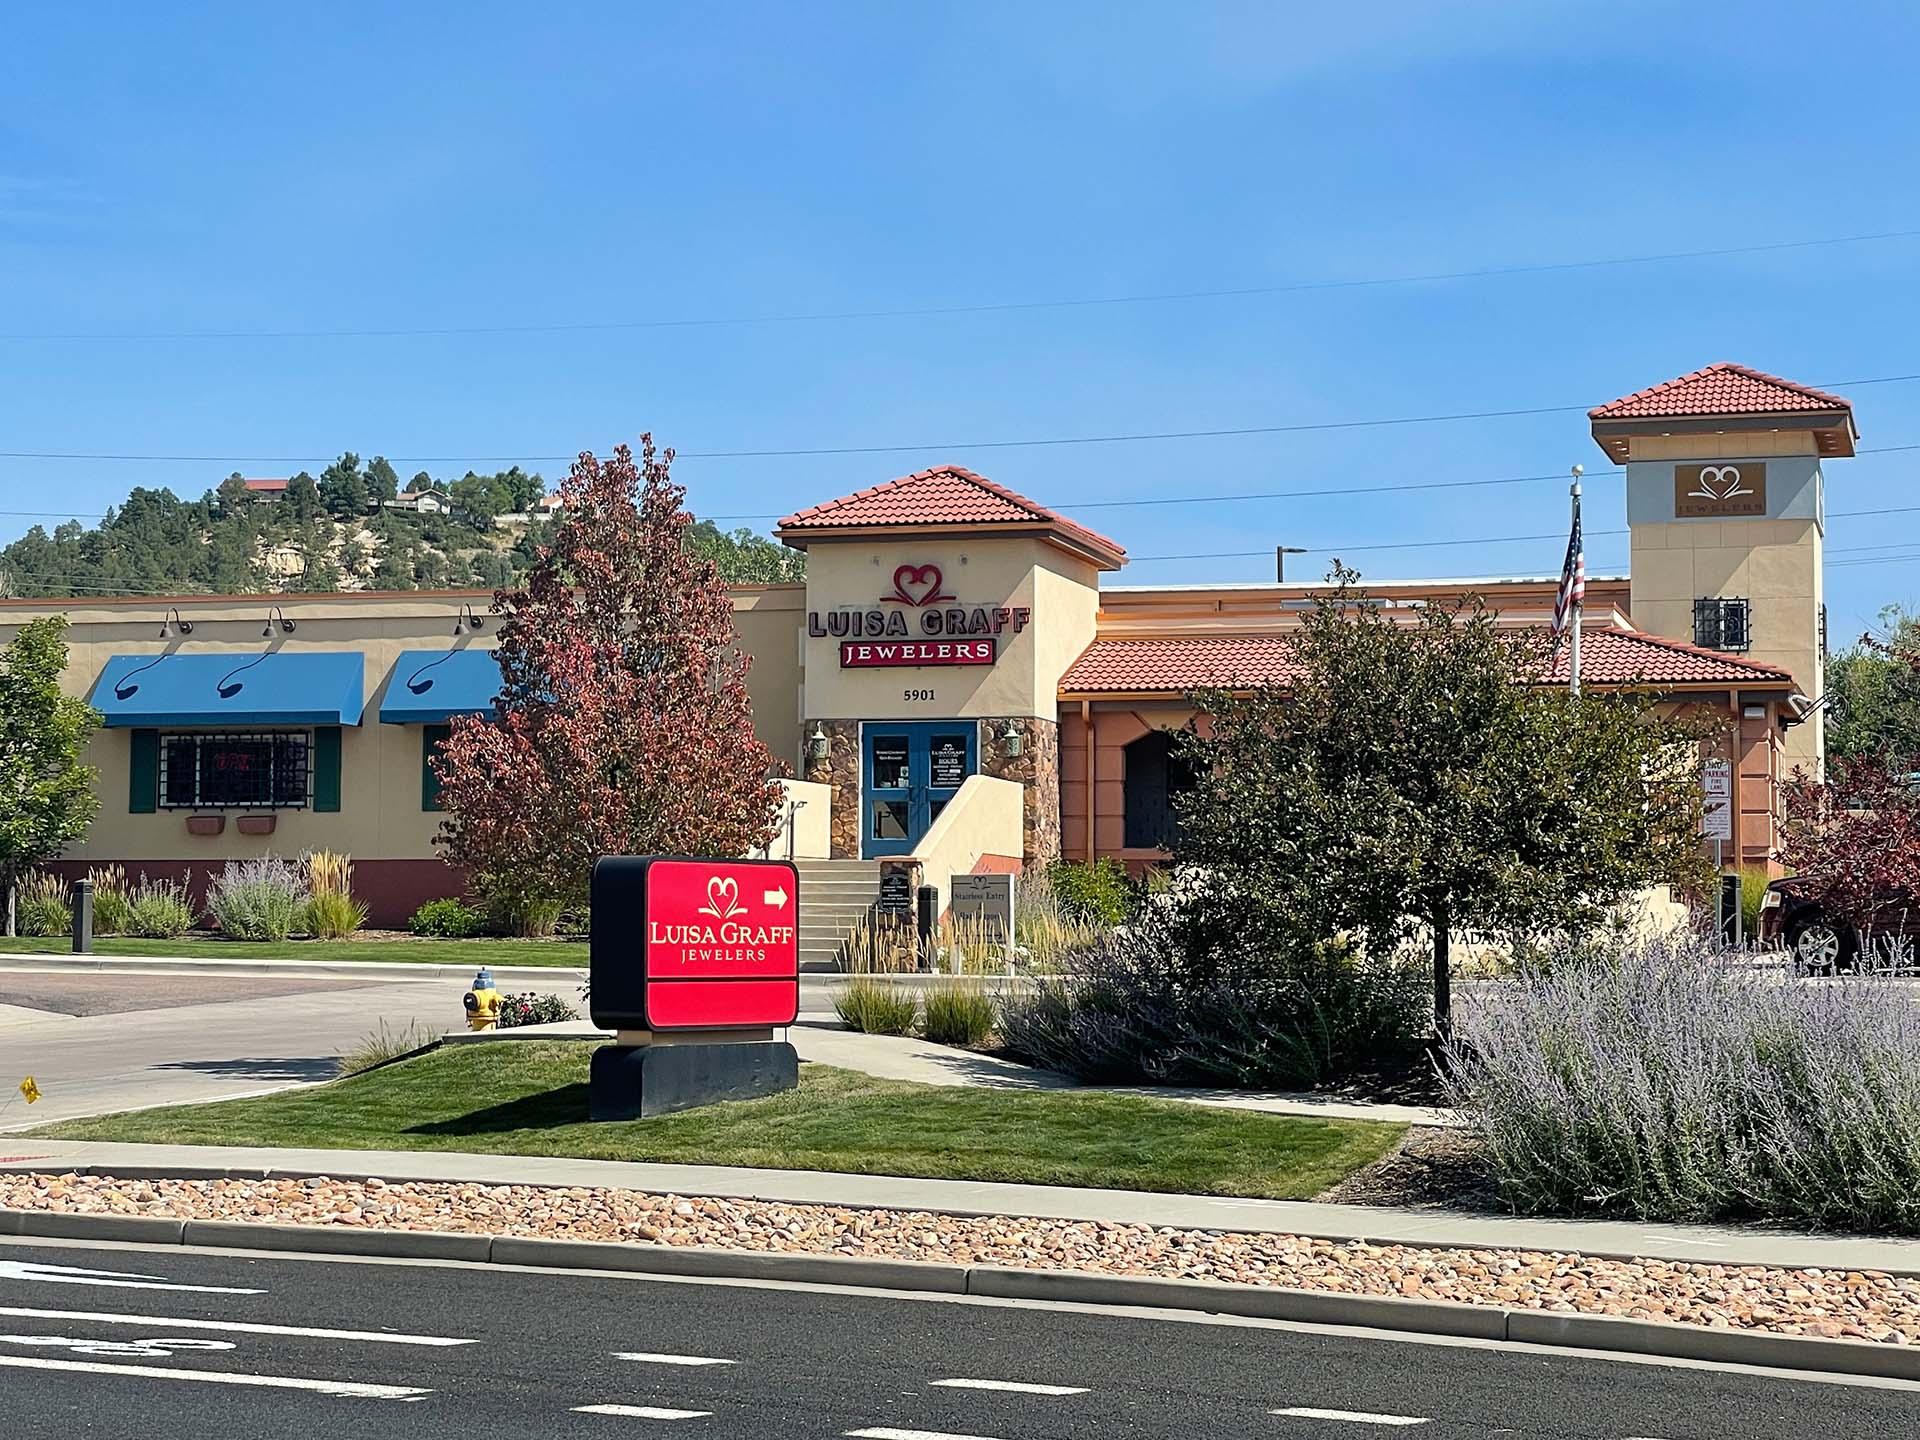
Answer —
957 685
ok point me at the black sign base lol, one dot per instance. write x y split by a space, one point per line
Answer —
635 1082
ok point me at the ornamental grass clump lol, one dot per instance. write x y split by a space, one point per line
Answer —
876 1007
43 905
332 913
1668 1081
112 900
263 899
958 1012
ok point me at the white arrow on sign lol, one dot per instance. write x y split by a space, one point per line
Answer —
119 1280
776 897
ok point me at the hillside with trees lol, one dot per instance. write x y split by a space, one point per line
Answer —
354 526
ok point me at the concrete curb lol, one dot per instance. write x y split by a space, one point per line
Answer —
1318 1307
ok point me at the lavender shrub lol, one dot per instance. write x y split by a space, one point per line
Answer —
1672 1080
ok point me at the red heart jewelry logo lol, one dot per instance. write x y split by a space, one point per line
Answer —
917 585
723 898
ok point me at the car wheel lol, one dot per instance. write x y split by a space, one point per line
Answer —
1819 947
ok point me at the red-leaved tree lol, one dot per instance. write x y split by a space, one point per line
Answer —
1853 841
623 725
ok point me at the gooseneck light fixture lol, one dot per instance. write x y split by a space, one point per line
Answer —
172 620
276 613
466 620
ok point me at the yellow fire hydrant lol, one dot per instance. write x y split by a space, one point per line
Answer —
482 1002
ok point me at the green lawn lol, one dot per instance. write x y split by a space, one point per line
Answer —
392 952
530 1098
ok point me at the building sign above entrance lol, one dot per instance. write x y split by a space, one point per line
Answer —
871 654
1724 488
956 634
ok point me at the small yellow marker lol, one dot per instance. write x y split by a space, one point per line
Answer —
29 1089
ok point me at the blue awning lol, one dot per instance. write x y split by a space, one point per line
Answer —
233 687
430 687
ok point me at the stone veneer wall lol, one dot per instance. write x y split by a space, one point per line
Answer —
841 770
1037 769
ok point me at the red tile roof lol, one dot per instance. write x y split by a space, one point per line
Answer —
944 495
1177 664
264 486
1723 389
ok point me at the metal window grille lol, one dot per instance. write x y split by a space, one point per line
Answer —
1720 624
267 770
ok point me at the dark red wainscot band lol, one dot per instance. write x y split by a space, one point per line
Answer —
696 961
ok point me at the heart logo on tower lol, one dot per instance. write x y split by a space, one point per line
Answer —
723 898
917 585
1719 482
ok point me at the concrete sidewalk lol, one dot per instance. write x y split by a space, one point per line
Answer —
1600 1239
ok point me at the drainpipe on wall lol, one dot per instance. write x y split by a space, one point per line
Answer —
1086 723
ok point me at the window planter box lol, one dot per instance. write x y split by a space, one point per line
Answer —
206 824
255 824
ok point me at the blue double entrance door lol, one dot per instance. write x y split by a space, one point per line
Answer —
908 774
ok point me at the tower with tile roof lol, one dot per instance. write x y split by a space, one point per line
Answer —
1726 506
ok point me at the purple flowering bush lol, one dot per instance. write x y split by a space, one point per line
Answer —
1673 1080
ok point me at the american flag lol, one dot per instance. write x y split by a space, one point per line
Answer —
1573 578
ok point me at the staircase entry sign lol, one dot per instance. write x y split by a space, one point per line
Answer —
695 944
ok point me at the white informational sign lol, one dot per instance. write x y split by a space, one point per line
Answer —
1716 791
984 900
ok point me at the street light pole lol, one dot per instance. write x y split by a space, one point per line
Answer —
1580 563
1280 553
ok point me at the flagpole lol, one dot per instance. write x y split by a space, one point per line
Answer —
1573 648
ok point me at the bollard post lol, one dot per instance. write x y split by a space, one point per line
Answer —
926 903
83 916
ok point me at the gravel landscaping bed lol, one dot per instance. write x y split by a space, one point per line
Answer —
1841 1304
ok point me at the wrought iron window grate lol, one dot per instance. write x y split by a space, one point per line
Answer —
255 771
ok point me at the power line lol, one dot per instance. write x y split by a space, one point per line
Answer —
1118 438
805 317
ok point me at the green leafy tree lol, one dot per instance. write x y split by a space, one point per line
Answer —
421 481
1412 778
478 498
383 481
744 558
1875 690
343 489
303 497
47 798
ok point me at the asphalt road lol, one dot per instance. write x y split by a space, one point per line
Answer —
160 1343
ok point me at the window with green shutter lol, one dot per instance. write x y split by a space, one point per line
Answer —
326 768
143 772
432 737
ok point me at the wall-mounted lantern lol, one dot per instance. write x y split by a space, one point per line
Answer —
819 747
1012 742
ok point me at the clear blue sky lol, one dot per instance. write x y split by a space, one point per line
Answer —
227 168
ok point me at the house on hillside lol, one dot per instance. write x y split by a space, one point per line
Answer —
421 502
266 492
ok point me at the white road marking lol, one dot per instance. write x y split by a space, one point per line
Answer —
115 1279
645 1357
1354 1417
237 1327
348 1389
1017 1387
157 1348
887 1432
641 1412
